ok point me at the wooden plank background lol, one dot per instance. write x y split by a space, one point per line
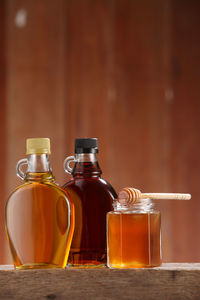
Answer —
125 71
3 137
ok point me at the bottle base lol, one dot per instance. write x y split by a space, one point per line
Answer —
86 266
38 266
132 266
87 259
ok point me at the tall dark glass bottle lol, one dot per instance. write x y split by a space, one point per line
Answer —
92 197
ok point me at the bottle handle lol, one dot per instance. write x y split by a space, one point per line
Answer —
66 164
19 166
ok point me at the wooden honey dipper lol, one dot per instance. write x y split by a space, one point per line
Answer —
129 196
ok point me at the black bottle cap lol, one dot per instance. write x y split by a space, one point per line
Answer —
87 145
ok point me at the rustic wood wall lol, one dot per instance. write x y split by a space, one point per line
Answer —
185 126
125 71
3 152
36 81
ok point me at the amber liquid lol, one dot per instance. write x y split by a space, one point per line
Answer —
133 240
92 198
39 223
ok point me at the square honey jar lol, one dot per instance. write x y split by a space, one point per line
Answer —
134 229
134 236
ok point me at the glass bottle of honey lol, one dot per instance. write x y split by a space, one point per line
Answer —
39 214
133 233
92 197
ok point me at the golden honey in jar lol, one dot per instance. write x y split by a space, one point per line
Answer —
133 235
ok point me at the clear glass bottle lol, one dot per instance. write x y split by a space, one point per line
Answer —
92 197
133 235
39 214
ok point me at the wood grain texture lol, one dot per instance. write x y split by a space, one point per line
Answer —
3 137
185 123
172 281
124 71
119 66
35 81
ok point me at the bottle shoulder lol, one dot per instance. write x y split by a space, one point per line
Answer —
87 182
28 187
18 188
90 189
110 187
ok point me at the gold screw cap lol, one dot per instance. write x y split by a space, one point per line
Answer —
38 146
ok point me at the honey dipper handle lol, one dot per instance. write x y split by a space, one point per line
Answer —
166 196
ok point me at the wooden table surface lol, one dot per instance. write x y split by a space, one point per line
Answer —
171 281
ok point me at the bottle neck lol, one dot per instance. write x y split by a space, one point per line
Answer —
38 168
86 164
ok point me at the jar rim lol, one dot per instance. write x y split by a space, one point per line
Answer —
144 204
